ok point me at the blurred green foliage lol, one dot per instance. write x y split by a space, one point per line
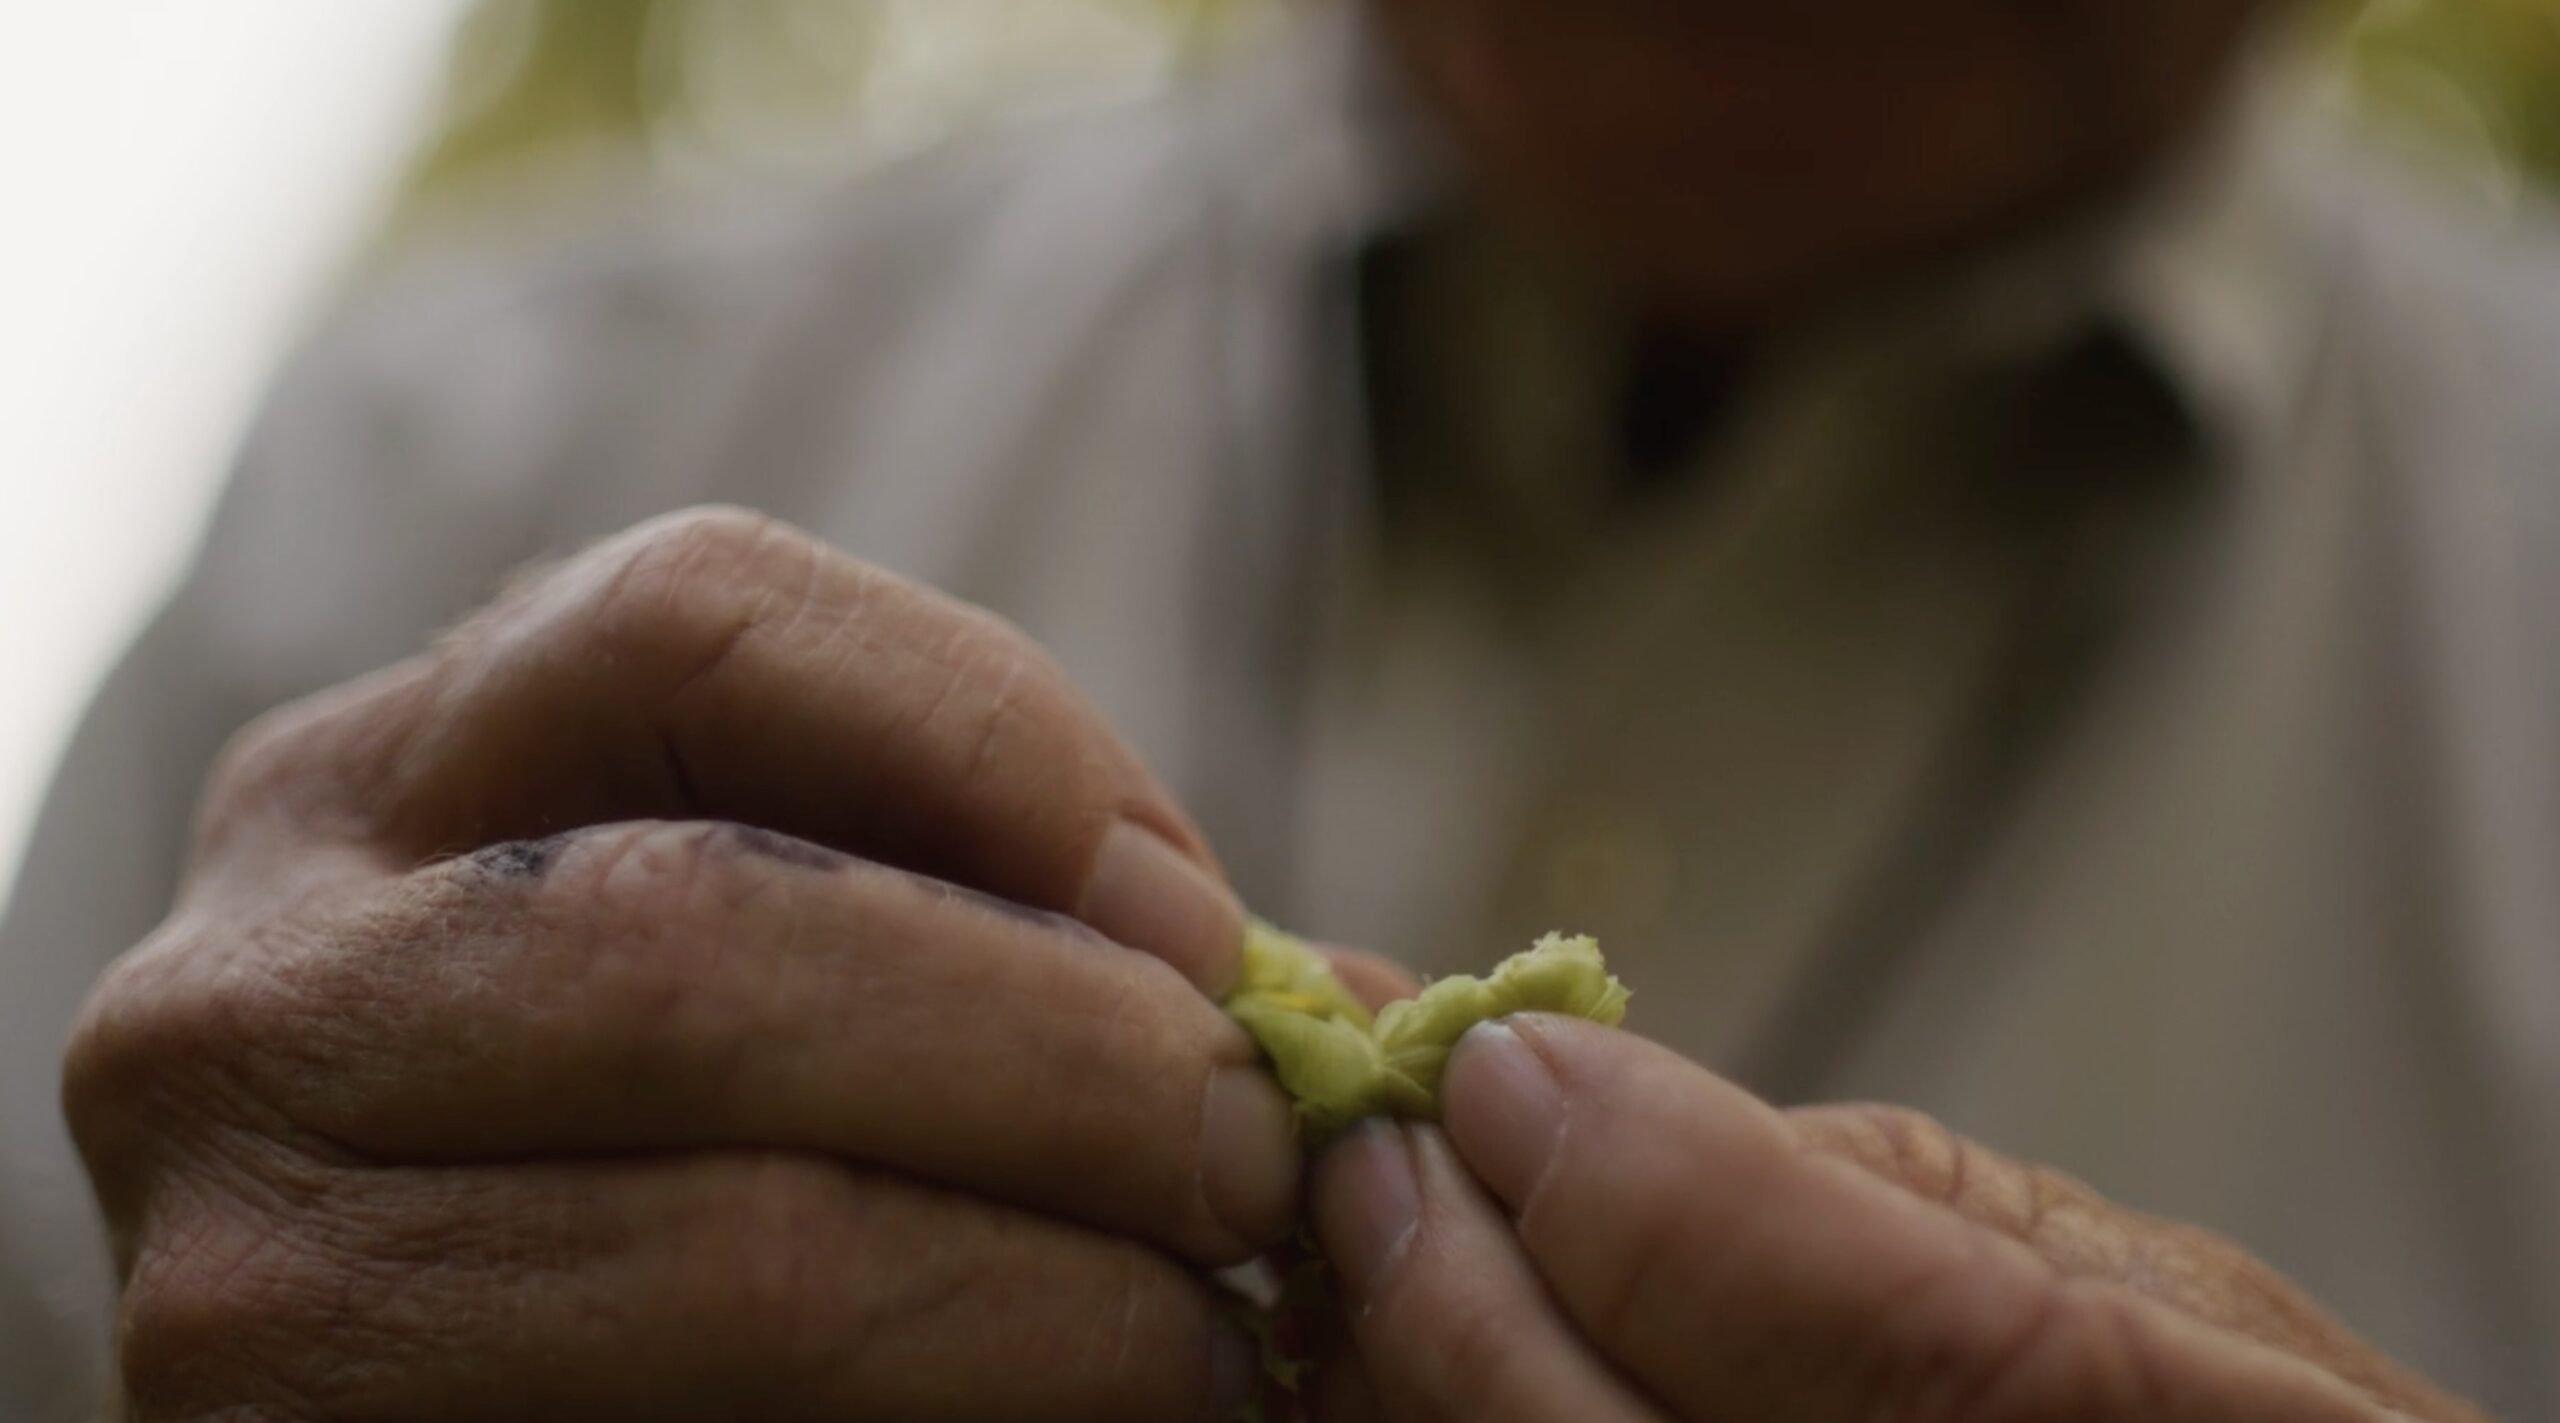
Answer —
2484 74
722 82
728 82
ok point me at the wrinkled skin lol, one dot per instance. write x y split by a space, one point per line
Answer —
532 1041
529 1042
1609 1234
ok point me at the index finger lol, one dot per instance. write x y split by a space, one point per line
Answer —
718 665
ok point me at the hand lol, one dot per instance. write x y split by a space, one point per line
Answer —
1650 1243
528 1044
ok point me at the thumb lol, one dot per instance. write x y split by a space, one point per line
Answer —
1687 1230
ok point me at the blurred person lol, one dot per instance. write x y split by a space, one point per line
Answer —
1991 552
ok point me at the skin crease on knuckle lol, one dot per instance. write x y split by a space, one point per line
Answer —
466 747
236 1304
715 606
2193 1272
283 807
685 591
1452 1345
652 566
656 951
1978 1326
1986 1326
1477 1348
777 1284
833 1277
649 958
177 1056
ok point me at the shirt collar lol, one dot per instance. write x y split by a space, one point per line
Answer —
2226 262
2216 264
1321 143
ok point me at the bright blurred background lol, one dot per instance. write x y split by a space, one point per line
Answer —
191 183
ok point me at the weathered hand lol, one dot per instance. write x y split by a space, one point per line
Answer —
1607 1232
528 1044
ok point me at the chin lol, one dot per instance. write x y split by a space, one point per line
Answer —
1741 167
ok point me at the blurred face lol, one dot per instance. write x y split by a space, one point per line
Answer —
1740 157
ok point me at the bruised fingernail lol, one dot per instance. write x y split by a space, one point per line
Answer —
1504 1110
523 859
1235 1373
1249 1159
1368 1203
1151 897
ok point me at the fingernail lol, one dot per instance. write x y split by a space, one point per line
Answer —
1249 1158
1235 1373
1151 897
1504 1110
1368 1203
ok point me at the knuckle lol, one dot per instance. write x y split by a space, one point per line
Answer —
215 1037
1910 1149
688 586
112 1038
1476 1346
1008 668
252 762
995 648
1627 1285
2124 1369
217 1309
778 1231
2031 1346
1128 1365
319 1295
2057 1214
1003 713
262 766
310 768
2075 1351
1011 686
2203 1275
2045 1209
666 947
672 908
705 538
157 1026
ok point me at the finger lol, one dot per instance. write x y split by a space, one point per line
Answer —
2083 1234
717 665
1685 1229
670 986
684 1288
1339 1391
1448 1317
1375 981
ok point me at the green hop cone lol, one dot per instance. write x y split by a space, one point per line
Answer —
1341 1066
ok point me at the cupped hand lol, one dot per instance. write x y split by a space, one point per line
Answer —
1604 1232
